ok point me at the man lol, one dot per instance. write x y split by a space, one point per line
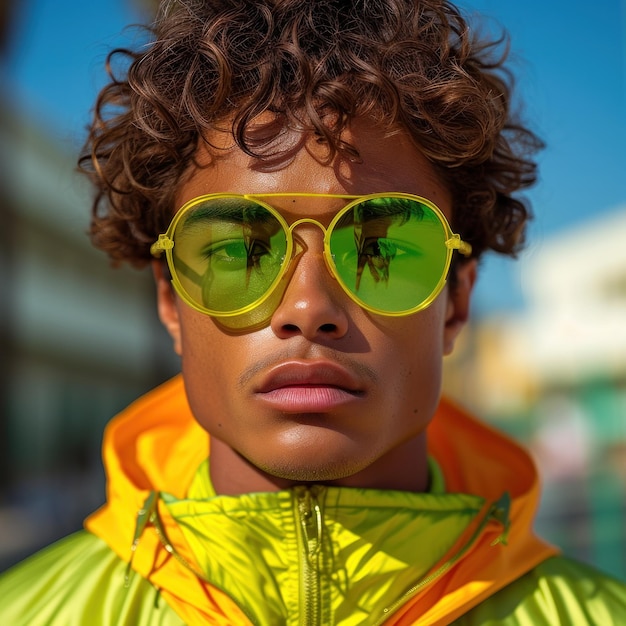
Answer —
313 183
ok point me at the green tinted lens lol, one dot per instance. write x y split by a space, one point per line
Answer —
228 253
390 253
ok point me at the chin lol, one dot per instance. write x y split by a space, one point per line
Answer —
313 466
306 453
306 474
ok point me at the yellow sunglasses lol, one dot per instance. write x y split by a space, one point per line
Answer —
390 252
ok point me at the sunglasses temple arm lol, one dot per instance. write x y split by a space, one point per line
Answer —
162 244
456 243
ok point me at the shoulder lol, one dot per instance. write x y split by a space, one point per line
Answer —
76 581
558 591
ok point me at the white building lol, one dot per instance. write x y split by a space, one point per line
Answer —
576 291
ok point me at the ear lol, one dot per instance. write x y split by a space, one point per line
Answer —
167 306
458 304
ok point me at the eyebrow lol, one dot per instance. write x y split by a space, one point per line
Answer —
244 211
232 210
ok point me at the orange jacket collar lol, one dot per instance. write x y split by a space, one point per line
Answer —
156 445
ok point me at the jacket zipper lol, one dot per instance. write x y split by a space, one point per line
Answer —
309 515
498 512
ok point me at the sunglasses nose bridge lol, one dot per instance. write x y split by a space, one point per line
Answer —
328 256
307 220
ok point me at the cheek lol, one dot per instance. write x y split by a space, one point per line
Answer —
416 362
210 365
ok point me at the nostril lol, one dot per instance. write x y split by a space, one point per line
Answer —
324 328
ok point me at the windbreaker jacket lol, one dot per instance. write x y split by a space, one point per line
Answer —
166 550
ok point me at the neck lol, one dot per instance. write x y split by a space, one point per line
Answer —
405 469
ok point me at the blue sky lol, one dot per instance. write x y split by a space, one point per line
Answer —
569 57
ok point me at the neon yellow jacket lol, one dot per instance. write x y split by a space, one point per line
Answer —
165 550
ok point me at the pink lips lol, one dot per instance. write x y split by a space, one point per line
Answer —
299 387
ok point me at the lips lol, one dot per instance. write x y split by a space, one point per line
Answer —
308 387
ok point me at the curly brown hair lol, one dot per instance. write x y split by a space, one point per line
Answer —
411 64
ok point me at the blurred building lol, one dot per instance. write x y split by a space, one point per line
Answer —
79 341
577 289
554 375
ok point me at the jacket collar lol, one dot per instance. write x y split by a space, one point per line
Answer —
156 446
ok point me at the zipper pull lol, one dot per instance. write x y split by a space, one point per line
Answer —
143 517
311 522
500 512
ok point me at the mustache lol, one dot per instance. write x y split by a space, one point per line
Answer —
312 354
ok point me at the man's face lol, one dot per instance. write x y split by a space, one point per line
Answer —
326 391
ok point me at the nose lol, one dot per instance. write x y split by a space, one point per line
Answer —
313 304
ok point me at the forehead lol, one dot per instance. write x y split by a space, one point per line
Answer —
297 162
